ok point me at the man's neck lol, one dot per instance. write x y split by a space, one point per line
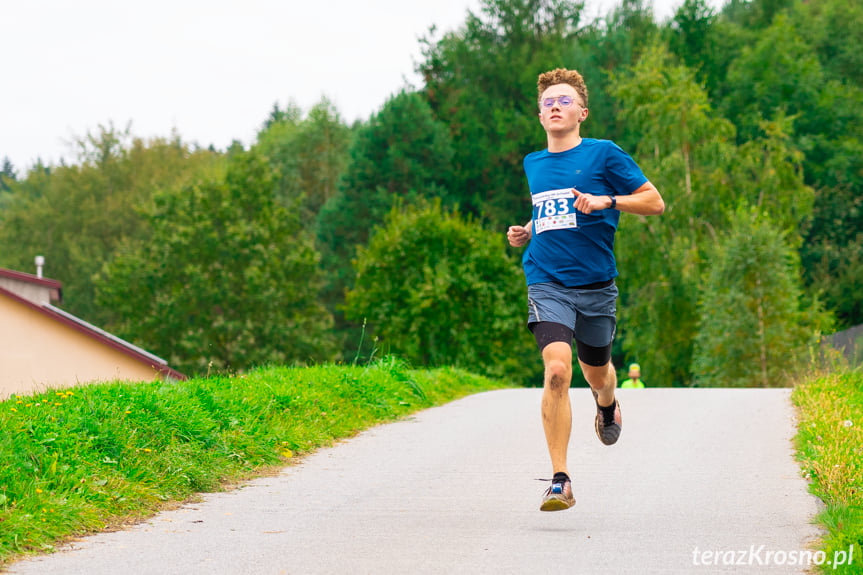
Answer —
563 143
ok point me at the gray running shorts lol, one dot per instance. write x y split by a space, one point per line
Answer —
591 314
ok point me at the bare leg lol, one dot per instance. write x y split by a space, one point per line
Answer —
603 380
556 409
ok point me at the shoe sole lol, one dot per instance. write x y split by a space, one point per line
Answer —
555 505
615 436
606 441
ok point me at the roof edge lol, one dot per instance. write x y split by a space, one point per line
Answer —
93 332
30 278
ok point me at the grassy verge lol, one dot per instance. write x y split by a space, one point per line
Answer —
830 447
94 457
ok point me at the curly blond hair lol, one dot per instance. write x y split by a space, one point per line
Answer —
563 76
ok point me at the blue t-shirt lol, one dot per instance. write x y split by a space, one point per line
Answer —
567 246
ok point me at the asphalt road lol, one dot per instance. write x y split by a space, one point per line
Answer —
699 479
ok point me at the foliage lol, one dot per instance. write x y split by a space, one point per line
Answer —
768 171
780 72
402 154
683 150
387 162
664 104
437 289
833 244
831 27
724 41
753 329
839 275
8 174
758 103
481 82
311 155
225 280
690 33
80 459
829 445
795 68
688 150
77 216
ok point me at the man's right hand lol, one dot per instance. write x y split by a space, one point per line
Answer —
518 236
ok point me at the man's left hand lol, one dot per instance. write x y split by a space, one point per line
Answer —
586 203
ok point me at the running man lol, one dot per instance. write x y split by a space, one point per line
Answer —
578 187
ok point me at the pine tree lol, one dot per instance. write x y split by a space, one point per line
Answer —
7 175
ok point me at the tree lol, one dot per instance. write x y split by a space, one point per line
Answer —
683 147
768 173
834 167
712 55
481 82
290 115
663 103
754 324
624 32
832 28
7 174
310 153
781 72
838 276
688 151
760 14
690 32
7 178
437 289
402 153
224 281
77 215
794 70
614 41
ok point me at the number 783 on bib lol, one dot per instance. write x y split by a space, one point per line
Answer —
553 210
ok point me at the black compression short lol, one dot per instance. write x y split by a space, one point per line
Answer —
546 332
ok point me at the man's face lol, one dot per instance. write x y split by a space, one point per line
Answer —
559 118
634 374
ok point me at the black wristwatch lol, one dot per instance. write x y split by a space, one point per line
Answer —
613 205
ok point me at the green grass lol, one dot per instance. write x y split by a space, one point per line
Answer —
830 448
95 457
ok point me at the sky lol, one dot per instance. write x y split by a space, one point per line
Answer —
210 70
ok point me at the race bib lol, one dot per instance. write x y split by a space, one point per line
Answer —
554 210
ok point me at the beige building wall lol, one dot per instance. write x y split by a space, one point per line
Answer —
37 352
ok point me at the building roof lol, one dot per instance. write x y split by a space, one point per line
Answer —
55 287
82 326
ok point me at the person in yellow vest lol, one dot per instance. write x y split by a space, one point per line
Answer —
634 381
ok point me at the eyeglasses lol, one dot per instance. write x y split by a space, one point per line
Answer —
564 101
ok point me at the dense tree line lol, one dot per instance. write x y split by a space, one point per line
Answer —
323 240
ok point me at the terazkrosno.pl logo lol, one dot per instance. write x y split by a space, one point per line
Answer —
760 555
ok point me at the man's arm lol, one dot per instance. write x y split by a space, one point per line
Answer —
645 201
519 235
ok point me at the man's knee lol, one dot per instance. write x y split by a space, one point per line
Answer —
599 376
558 374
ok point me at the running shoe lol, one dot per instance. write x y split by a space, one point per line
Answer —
608 430
558 497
